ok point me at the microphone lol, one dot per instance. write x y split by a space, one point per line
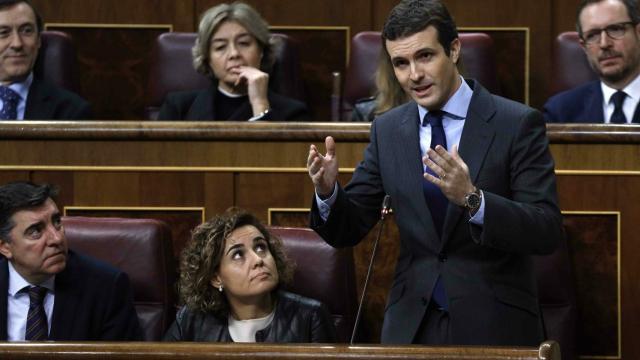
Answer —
386 207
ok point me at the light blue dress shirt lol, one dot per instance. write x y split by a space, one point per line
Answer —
22 89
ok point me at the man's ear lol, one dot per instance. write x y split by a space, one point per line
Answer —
454 51
5 249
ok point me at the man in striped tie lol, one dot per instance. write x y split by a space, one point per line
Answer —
53 293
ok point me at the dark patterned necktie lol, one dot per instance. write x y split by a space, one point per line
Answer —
10 100
436 201
37 329
618 115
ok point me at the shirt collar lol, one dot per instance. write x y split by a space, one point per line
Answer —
457 106
17 282
22 88
632 90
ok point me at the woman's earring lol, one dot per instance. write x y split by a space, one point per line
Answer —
220 287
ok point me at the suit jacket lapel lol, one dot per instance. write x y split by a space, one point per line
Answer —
594 102
65 303
4 290
38 106
408 155
476 138
202 107
636 114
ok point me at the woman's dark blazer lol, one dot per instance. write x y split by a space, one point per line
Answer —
200 105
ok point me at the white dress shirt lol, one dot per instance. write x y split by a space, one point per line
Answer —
630 103
18 304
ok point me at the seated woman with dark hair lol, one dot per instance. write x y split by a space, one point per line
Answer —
233 48
231 272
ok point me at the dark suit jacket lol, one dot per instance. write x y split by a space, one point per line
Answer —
93 301
49 102
487 271
579 105
200 105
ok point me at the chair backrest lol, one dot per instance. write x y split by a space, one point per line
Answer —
57 60
323 273
142 249
172 69
570 65
556 294
478 59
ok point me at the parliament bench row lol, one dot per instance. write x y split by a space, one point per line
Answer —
142 248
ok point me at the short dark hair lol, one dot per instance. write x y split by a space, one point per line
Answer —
18 196
412 16
10 3
631 5
201 257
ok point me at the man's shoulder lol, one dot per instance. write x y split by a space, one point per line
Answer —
47 101
90 267
396 114
56 92
575 95
575 105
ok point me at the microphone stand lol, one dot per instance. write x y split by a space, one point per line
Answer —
386 203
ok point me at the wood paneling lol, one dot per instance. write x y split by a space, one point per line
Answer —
594 246
322 51
113 63
354 13
180 13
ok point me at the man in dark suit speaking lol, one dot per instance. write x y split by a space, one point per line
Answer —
473 188
22 95
48 292
609 33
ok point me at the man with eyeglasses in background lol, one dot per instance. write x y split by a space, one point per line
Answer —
610 36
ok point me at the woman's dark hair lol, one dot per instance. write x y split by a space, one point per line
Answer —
200 260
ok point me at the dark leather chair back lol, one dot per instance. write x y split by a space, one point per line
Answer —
172 69
570 65
142 249
323 273
57 62
556 293
478 60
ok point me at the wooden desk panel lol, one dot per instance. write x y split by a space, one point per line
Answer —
261 166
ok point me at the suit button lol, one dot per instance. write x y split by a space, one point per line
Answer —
442 257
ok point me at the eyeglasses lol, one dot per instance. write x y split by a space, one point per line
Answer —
614 31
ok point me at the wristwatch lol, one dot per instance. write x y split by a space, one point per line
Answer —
472 201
